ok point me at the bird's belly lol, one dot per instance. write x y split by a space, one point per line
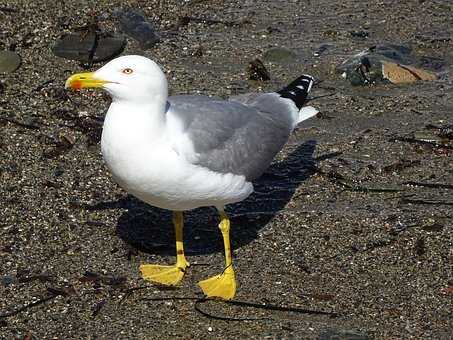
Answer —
160 177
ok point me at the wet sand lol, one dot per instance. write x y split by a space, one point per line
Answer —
332 227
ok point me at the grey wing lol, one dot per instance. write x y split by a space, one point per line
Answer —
228 136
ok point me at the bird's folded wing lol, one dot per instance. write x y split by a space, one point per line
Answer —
226 136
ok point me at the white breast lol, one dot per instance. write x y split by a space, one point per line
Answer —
141 159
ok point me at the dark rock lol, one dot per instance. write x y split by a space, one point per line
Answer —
321 49
432 63
446 132
359 34
7 280
9 61
257 70
396 53
88 47
135 25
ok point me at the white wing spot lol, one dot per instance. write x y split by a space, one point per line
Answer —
300 87
292 92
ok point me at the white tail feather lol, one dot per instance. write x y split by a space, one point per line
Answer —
306 112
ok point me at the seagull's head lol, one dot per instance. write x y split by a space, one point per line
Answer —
132 78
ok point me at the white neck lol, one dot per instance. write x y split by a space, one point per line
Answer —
128 125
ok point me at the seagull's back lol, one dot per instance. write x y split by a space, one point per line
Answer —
229 136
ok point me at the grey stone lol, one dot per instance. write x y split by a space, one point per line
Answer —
9 61
135 25
80 46
279 54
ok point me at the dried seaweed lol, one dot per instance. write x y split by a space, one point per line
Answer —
27 125
97 308
427 201
114 281
252 305
38 302
429 185
5 9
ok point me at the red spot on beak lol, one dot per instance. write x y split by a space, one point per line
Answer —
76 85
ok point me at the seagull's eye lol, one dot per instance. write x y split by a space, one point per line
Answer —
127 71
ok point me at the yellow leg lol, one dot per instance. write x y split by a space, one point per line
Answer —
223 285
169 275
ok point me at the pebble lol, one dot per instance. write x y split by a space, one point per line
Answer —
135 25
9 61
279 54
257 71
7 280
78 46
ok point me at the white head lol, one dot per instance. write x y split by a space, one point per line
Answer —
128 78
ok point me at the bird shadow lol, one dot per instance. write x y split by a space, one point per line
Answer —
150 229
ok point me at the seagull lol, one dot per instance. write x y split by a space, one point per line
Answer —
188 151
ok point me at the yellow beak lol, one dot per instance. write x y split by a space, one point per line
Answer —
84 80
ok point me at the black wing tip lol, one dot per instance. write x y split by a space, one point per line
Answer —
298 90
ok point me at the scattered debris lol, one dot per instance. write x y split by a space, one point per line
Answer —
62 143
318 296
421 200
399 227
433 227
257 71
185 20
91 127
39 301
429 185
447 290
114 281
97 308
359 34
134 24
8 9
384 63
338 178
420 247
28 124
436 136
62 291
261 306
399 74
29 278
444 131
9 61
400 165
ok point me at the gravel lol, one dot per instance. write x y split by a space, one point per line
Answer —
333 227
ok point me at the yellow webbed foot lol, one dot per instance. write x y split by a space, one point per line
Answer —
222 286
166 275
